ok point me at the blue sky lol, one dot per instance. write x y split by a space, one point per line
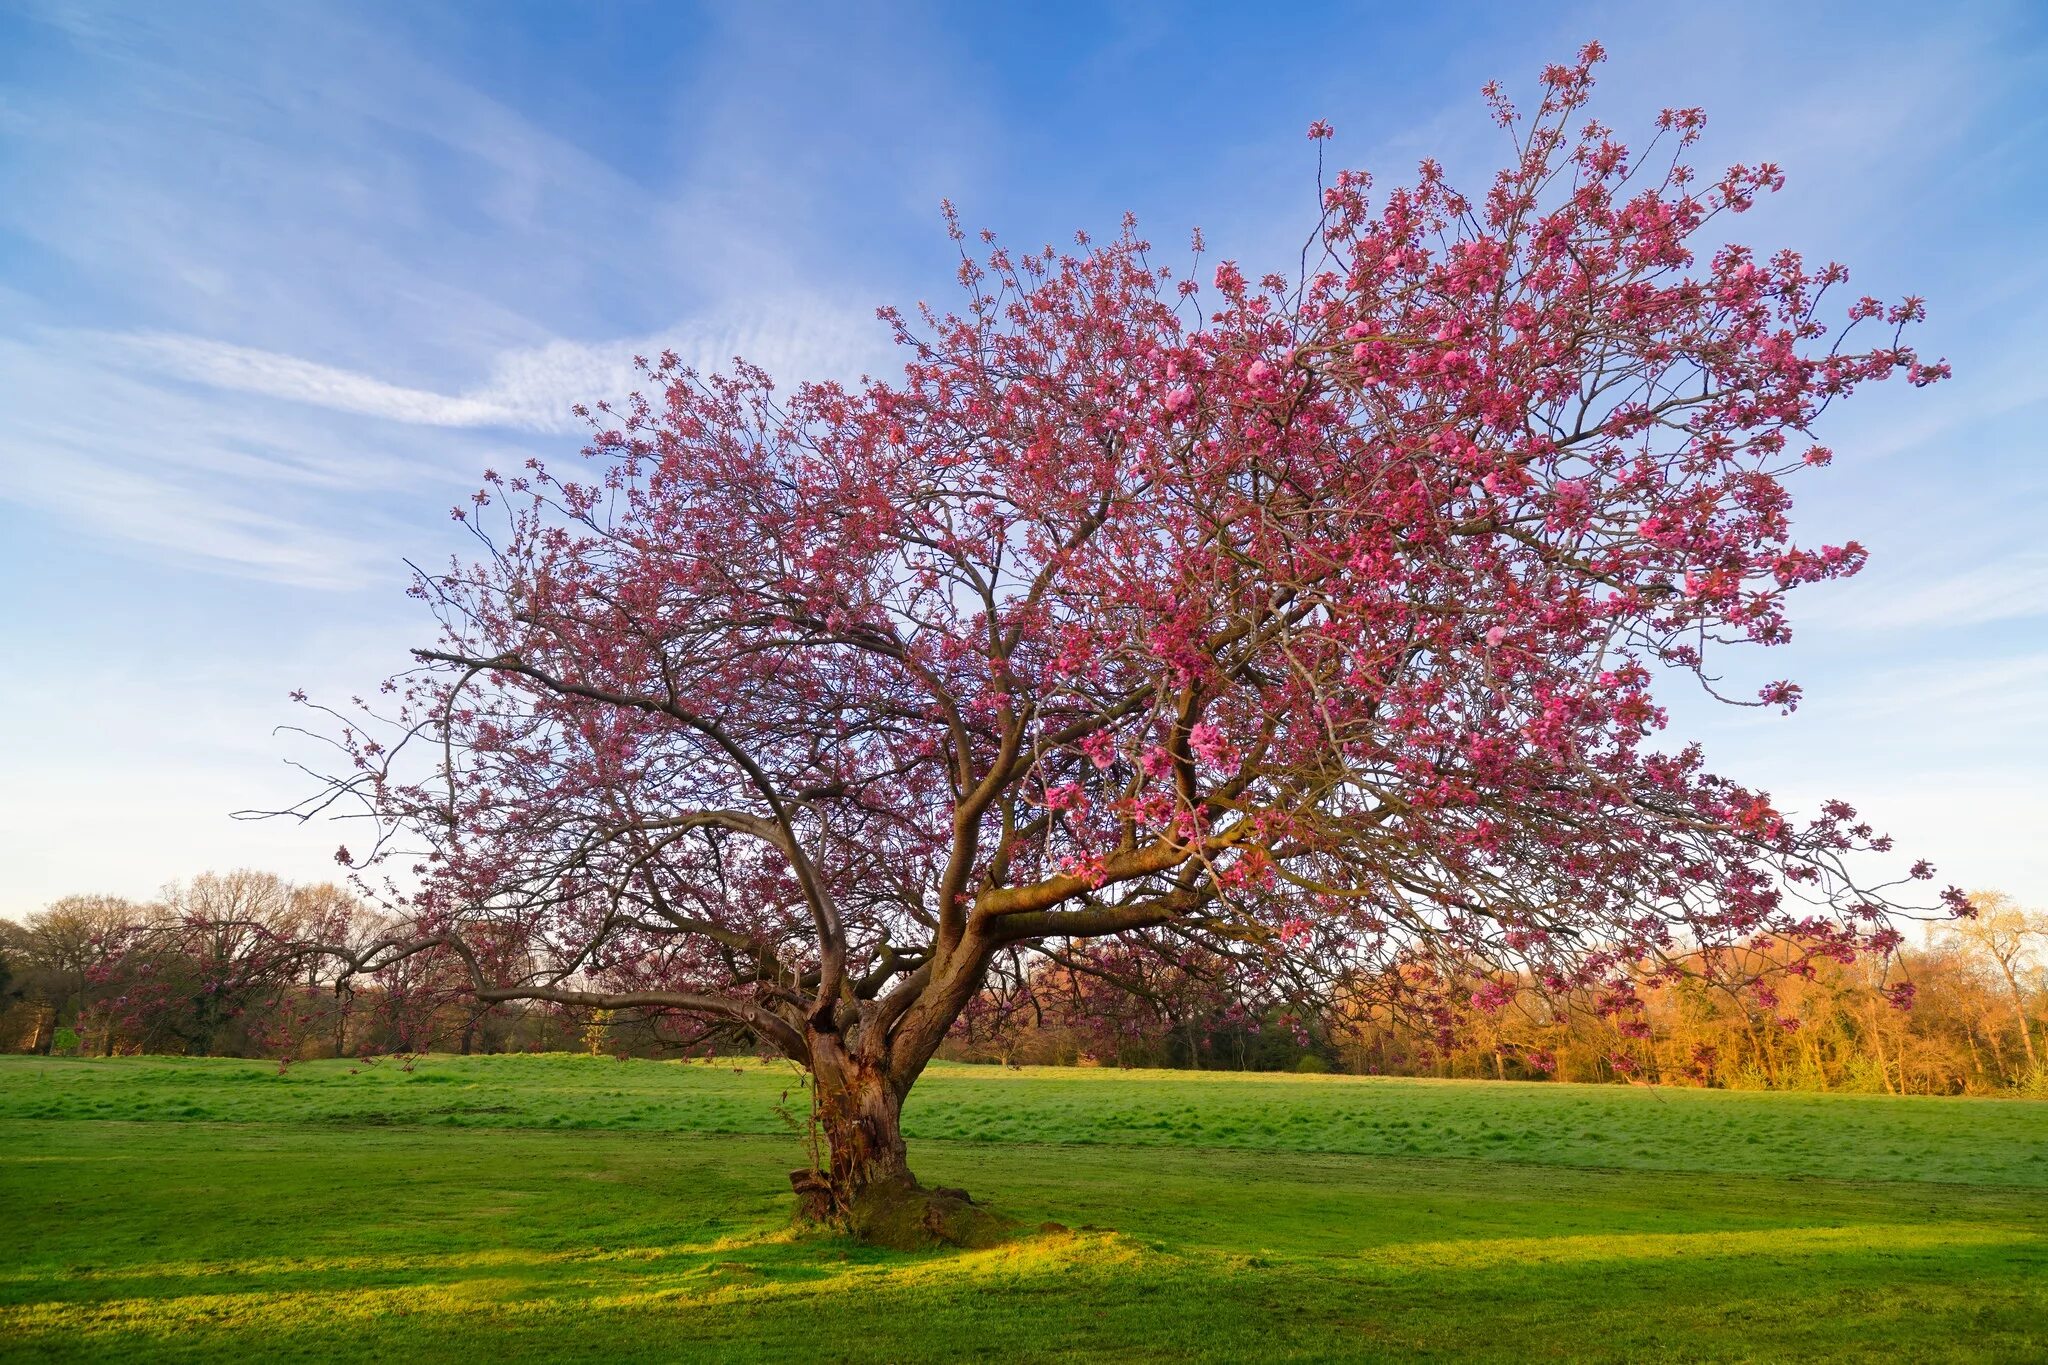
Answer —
277 282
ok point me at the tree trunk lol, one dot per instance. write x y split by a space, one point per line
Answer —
2019 1010
867 1187
861 1116
1884 1068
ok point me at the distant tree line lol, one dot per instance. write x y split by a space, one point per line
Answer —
209 968
1966 1012
213 967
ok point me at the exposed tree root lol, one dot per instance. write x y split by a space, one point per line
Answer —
902 1215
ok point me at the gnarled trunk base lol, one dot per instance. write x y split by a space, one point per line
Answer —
869 1190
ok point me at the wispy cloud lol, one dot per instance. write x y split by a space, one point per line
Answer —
248 487
529 388
244 369
368 266
1990 704
193 528
2009 587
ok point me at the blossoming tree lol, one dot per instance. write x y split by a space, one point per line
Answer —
1319 613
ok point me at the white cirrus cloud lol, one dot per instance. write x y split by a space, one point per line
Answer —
529 388
244 369
2010 587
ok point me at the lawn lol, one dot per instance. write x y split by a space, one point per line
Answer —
535 1208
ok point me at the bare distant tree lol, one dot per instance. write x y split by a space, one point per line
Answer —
2011 937
65 942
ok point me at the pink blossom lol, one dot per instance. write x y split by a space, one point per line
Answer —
1100 747
1208 744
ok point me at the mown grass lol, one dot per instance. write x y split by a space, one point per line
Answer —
1859 1137
544 1208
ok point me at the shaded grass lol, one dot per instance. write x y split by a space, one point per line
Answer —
299 1234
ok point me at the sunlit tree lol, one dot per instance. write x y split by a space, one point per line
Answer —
1320 614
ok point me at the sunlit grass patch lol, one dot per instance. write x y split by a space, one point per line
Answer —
281 1298
1778 1243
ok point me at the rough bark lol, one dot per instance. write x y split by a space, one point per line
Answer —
861 1115
868 1188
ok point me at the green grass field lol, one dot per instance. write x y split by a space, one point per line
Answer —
568 1207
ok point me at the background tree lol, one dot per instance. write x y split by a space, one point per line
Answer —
2011 938
1319 613
218 958
63 946
12 939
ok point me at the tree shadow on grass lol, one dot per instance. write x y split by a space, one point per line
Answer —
1917 1292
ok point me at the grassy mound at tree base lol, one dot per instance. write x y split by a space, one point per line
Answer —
906 1216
